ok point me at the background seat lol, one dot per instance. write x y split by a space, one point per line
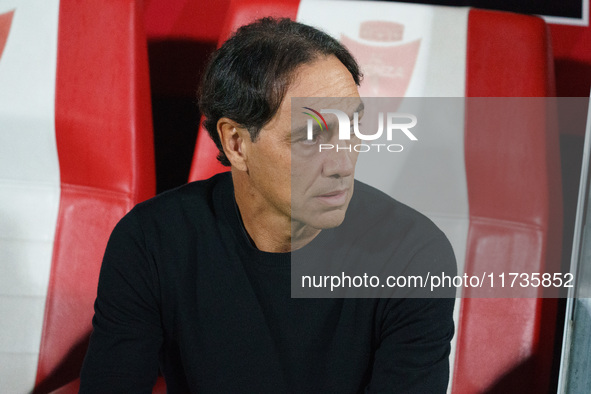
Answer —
76 153
495 190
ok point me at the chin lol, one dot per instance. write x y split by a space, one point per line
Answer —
328 220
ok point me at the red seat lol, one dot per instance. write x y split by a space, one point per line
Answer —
180 19
504 209
76 114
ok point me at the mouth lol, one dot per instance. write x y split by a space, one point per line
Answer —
334 198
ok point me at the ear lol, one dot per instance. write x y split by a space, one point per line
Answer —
234 139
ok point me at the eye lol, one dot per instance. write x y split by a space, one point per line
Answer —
313 141
316 136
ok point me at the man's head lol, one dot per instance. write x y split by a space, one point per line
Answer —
281 181
247 78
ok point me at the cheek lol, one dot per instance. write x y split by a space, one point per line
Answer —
304 182
354 156
278 173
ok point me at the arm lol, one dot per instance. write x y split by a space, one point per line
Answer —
415 333
413 352
123 353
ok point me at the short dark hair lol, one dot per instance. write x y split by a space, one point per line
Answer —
247 77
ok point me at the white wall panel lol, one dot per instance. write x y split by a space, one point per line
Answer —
29 185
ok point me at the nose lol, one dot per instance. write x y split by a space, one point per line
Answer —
339 162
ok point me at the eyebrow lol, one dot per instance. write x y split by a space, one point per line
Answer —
299 130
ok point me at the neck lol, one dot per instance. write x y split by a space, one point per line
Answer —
270 230
302 234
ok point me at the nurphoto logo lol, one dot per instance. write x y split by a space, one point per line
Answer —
395 123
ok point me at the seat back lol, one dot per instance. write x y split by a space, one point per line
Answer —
180 19
76 155
499 203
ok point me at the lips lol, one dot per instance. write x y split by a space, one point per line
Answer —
334 198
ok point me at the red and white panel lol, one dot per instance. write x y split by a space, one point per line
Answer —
29 183
404 50
76 152
105 146
514 188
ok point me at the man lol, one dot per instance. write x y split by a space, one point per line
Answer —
196 281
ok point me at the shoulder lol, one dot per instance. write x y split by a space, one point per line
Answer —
198 194
178 211
393 230
195 199
375 211
382 238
